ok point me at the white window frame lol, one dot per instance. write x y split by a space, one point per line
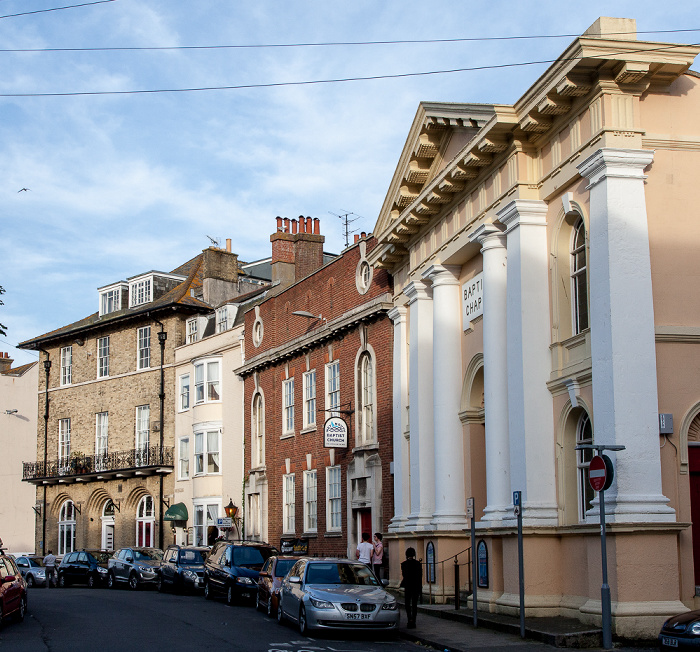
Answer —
64 446
583 461
207 451
183 458
221 319
110 300
145 523
257 421
579 279
207 388
288 406
212 509
191 330
254 520
103 357
289 504
66 365
143 347
184 392
66 528
334 494
142 434
366 399
310 482
309 382
333 389
140 291
101 440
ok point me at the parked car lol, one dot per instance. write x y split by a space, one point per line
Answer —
83 567
135 566
336 593
13 590
232 569
32 570
681 632
182 568
270 580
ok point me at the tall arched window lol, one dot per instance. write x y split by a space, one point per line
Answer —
66 528
584 435
258 431
579 280
366 396
145 523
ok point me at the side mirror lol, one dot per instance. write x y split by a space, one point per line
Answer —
130 559
384 582
295 580
9 578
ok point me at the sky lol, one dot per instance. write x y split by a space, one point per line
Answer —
122 183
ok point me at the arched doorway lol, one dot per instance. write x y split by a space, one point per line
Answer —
145 523
108 526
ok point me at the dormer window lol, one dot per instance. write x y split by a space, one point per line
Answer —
221 320
191 330
111 298
140 292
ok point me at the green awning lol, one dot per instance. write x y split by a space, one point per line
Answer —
176 512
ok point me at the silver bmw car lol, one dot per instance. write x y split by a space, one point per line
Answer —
335 593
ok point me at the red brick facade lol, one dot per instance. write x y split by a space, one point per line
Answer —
346 323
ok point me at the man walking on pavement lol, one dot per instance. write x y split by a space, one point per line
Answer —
50 564
365 550
412 583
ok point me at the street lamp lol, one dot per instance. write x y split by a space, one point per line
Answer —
231 509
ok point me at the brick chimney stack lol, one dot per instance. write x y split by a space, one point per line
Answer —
297 249
5 362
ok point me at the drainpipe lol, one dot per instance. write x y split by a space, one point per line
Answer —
47 368
162 337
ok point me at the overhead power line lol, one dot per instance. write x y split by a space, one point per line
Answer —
43 11
329 81
322 44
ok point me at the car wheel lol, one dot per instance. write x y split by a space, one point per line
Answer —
62 583
207 590
22 609
303 625
280 611
229 596
133 582
111 582
91 582
30 581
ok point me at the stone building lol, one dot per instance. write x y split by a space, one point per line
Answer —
318 347
18 415
543 256
105 446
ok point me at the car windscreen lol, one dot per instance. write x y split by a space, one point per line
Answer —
251 557
340 573
35 562
99 557
147 555
191 557
283 566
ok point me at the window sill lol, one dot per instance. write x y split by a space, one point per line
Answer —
366 448
333 535
310 535
308 429
258 469
287 435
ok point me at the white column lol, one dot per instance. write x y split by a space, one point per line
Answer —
402 478
450 503
420 384
623 352
530 405
493 251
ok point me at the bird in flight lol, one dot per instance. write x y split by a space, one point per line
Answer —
24 189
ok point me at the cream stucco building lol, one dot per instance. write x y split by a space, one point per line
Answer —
545 256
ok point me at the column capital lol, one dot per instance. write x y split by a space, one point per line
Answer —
442 274
398 314
532 212
615 162
489 236
415 291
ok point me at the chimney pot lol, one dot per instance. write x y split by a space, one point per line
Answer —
357 238
309 226
228 245
294 226
363 234
286 225
317 226
279 223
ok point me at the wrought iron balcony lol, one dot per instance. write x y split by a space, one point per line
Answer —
107 466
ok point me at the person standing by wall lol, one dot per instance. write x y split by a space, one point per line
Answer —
412 583
378 554
365 550
50 565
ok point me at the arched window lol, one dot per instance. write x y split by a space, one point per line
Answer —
258 431
145 523
366 399
66 528
584 435
579 278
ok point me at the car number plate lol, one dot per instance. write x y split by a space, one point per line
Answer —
671 642
357 616
245 595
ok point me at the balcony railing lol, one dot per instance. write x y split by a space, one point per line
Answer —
84 468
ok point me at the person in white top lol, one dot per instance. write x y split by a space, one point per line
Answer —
365 550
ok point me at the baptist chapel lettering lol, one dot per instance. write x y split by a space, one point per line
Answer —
472 300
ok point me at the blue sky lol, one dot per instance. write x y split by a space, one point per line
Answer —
122 184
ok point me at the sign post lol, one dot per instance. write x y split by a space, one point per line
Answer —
518 509
600 477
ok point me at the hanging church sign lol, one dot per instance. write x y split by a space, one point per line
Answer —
472 300
335 433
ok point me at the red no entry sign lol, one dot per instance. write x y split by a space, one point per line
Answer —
600 472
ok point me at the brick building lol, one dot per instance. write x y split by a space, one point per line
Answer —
319 347
104 447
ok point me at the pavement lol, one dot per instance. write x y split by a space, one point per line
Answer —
445 628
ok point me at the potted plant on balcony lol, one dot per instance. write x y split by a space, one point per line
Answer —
79 463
